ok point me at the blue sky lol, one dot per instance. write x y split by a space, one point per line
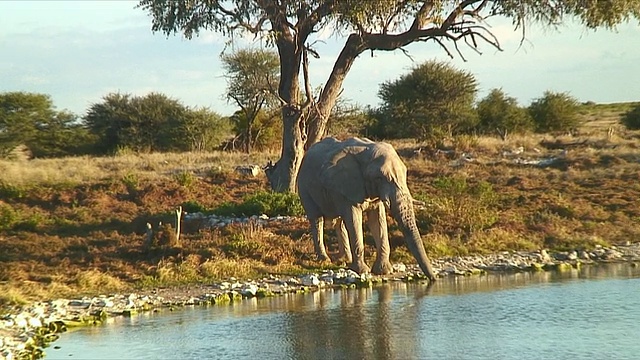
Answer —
79 51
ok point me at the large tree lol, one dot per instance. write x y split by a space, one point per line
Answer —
31 119
381 25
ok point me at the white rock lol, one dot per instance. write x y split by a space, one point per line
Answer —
249 290
399 267
310 280
34 322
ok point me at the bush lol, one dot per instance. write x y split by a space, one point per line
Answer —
193 206
349 120
432 95
631 119
459 208
554 112
499 112
185 178
263 202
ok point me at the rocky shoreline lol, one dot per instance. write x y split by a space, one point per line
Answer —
25 331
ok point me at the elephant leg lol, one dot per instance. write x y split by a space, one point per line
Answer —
317 232
344 249
377 222
353 223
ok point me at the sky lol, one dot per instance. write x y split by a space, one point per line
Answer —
79 51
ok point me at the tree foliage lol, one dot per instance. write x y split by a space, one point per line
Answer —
499 112
350 120
150 123
204 130
30 119
263 133
554 111
433 95
382 25
252 80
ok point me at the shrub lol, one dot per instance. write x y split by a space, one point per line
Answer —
131 181
8 217
459 208
240 246
554 112
193 206
631 119
8 191
263 202
500 112
185 178
432 95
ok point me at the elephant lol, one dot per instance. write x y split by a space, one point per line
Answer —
344 179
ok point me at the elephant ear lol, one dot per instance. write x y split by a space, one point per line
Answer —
344 175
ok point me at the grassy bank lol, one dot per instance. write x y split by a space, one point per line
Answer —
78 225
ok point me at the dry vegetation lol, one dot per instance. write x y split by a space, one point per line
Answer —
77 225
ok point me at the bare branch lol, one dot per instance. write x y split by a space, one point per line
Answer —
406 53
442 45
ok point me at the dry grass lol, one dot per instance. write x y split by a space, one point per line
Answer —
85 169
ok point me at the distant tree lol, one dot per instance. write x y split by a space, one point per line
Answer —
31 119
363 25
433 95
205 130
501 113
554 111
631 119
349 120
21 114
263 132
143 124
252 80
62 136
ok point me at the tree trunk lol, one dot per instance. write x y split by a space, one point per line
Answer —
329 95
282 176
296 137
247 136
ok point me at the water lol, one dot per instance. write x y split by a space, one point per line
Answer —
589 314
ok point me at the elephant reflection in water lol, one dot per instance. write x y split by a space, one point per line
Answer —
344 179
359 324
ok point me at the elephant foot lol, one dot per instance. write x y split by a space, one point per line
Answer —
360 267
322 258
381 267
343 260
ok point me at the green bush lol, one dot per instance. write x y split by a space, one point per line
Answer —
8 191
193 206
185 178
555 112
432 95
240 246
8 217
459 208
631 119
263 202
500 112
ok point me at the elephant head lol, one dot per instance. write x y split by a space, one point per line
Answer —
364 171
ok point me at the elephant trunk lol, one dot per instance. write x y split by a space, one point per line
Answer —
401 205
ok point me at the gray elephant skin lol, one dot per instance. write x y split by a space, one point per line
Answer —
341 180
